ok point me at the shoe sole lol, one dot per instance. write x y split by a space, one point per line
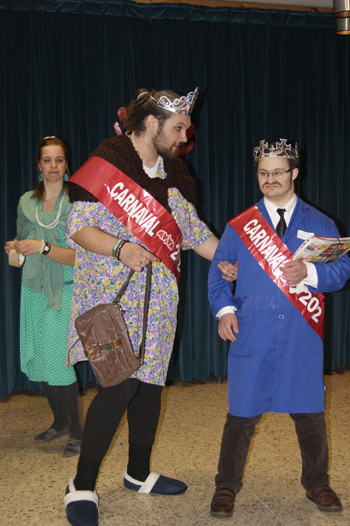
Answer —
68 454
158 494
330 510
59 434
50 439
221 515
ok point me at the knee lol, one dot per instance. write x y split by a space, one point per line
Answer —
242 421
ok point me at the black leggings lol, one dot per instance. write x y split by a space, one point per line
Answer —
105 412
63 398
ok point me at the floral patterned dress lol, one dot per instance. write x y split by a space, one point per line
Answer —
98 278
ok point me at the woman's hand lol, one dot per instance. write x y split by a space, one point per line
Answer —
136 257
28 247
9 246
229 271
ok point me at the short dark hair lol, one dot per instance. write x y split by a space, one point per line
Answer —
142 106
38 191
293 163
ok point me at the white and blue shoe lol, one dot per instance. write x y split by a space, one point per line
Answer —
156 484
81 506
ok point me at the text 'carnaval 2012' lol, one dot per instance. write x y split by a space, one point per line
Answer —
134 208
264 244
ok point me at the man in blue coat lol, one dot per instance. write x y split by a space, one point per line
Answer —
275 324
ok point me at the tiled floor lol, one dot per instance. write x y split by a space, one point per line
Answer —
33 477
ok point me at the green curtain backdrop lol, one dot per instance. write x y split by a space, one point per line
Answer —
67 66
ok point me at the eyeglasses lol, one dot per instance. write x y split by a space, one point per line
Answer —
277 174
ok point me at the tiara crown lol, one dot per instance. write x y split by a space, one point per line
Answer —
275 149
183 105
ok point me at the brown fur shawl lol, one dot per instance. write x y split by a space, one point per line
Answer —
120 152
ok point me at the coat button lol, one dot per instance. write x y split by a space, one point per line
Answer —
281 317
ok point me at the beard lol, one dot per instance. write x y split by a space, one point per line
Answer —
163 150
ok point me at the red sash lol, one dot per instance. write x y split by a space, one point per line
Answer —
270 252
139 212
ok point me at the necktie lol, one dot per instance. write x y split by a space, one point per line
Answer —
281 225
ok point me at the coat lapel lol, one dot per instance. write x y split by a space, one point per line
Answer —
296 219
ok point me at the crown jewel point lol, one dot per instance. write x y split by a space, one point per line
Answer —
271 150
183 105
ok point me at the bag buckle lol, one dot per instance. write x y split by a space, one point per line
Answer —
105 346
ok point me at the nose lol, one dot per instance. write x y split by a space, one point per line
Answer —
53 163
270 178
183 136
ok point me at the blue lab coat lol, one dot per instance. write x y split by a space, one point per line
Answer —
276 364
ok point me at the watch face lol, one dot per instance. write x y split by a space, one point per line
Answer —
46 249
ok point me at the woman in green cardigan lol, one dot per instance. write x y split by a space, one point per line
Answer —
46 293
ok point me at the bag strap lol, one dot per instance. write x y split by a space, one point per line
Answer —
145 313
145 305
123 288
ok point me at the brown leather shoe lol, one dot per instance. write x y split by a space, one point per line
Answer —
325 499
222 503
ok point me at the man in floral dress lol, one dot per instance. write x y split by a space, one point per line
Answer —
134 203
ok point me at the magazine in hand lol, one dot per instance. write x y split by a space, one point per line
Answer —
322 249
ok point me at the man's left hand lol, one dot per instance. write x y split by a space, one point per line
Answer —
229 271
294 271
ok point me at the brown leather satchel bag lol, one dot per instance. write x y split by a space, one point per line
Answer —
106 341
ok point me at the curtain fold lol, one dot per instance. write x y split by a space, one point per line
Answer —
67 66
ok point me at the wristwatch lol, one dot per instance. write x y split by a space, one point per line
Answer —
47 248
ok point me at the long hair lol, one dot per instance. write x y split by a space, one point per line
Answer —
142 106
39 190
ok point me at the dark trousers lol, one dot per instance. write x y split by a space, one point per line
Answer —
238 432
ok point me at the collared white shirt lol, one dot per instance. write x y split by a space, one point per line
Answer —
311 278
274 215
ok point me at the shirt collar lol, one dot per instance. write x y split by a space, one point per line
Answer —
272 210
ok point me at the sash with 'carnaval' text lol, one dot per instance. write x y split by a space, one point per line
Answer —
270 252
139 212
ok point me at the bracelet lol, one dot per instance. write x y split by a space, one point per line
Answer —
42 246
115 246
47 249
119 248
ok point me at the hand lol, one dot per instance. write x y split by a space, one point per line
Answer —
228 325
294 271
28 247
229 271
9 245
136 257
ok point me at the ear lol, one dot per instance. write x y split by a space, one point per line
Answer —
295 174
152 123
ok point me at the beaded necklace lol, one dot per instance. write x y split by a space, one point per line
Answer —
56 220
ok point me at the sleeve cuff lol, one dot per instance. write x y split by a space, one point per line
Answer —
311 279
226 310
